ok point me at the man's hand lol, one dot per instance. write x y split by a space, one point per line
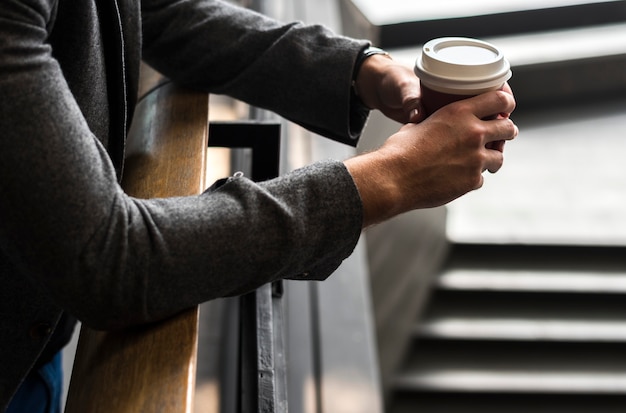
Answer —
436 161
390 87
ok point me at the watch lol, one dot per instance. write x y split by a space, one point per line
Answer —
369 52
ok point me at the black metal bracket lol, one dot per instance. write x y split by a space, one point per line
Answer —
262 377
263 138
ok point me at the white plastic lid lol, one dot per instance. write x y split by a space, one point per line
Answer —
462 65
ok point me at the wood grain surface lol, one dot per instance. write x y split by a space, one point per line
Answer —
150 368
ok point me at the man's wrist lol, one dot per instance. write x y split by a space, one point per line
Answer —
363 56
378 192
366 70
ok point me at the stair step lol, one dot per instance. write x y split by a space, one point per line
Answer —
535 269
512 367
513 382
541 258
441 402
532 281
494 355
522 305
551 46
523 329
556 66
523 316
398 23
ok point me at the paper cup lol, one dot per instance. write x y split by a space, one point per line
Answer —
455 68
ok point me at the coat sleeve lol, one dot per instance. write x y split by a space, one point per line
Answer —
303 72
111 260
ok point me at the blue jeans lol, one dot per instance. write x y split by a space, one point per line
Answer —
41 390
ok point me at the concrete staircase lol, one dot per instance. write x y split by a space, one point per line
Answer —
514 328
529 312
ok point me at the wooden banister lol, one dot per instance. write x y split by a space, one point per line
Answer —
150 368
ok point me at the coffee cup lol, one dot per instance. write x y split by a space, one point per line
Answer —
455 68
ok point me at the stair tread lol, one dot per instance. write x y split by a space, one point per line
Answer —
513 381
544 47
463 402
532 281
398 11
400 23
523 329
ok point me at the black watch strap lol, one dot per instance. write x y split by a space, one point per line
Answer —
370 51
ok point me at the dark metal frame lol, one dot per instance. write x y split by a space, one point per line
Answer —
261 379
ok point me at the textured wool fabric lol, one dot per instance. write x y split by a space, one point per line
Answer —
72 241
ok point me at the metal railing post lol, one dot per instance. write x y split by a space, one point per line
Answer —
262 381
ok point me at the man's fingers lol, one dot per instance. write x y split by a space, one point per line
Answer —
415 111
495 160
496 145
505 130
491 104
500 130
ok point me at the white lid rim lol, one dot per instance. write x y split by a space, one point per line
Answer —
461 75
502 76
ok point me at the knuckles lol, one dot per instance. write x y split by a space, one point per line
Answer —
506 100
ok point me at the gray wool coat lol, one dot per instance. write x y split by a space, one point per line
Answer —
71 241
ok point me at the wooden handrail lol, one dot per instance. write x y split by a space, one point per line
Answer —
150 368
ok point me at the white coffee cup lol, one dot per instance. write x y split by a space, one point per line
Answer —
455 68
